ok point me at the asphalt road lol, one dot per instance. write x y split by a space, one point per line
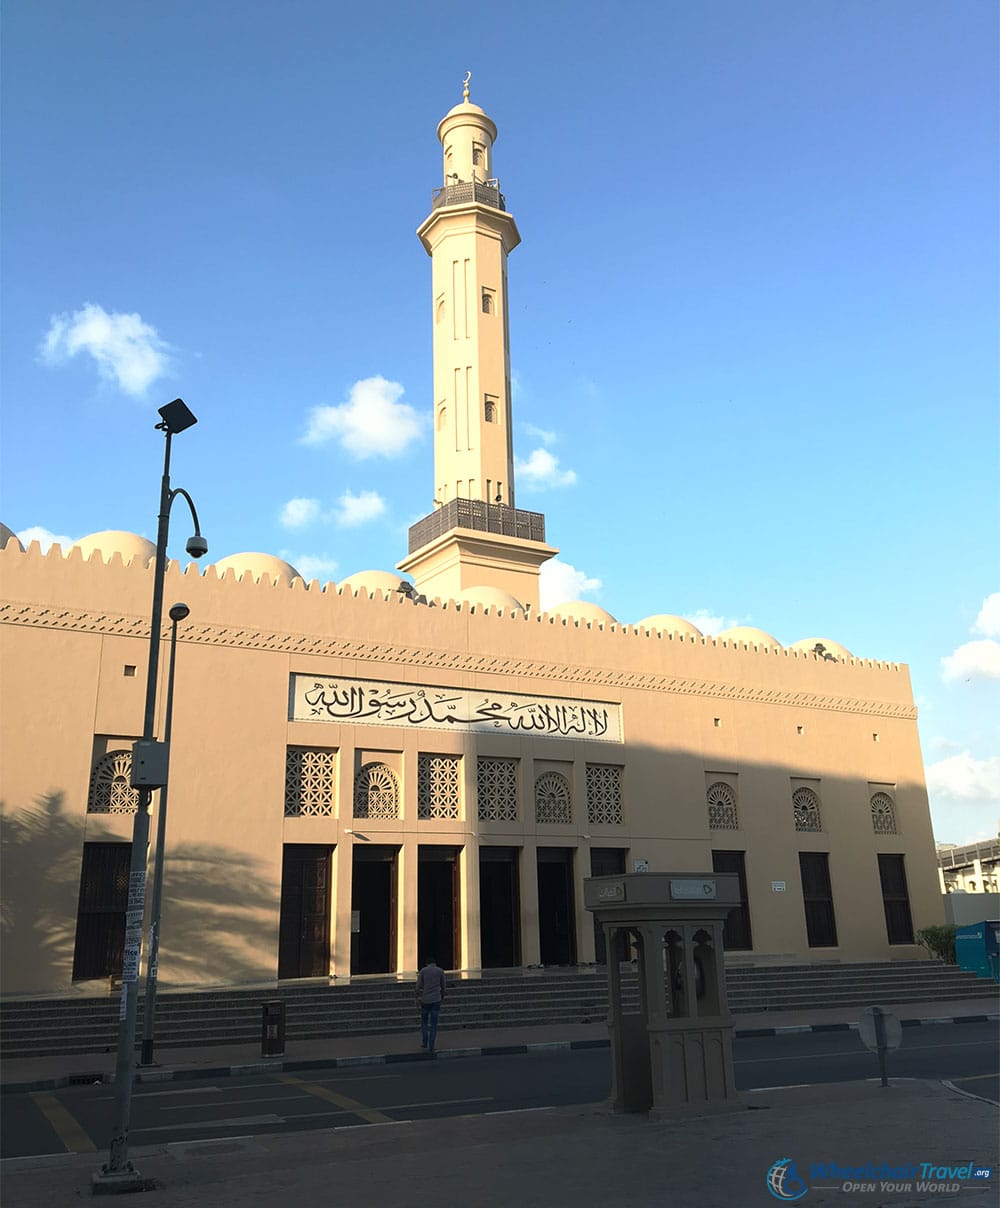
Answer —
78 1119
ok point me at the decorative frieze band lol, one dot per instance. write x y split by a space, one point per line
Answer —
376 652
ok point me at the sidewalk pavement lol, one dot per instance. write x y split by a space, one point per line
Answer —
577 1156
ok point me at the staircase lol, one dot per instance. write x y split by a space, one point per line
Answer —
521 998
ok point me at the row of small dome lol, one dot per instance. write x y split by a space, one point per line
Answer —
131 547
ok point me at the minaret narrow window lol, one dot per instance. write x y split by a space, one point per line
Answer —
489 304
490 409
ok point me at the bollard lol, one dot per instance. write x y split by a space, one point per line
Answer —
272 1029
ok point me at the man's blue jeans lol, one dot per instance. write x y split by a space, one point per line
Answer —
429 1012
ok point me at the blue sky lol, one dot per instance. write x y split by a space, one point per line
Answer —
753 316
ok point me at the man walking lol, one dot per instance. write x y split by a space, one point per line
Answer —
430 995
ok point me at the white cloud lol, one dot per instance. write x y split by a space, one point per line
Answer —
962 777
127 350
43 537
542 434
359 509
312 566
542 470
299 512
988 621
372 423
558 582
974 660
710 623
939 743
979 659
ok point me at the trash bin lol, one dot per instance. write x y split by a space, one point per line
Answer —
272 1029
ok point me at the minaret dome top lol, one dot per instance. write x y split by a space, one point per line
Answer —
467 134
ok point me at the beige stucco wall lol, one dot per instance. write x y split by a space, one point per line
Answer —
71 627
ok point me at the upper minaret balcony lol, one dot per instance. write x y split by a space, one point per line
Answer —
465 192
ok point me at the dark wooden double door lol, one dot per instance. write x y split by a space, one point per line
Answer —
304 920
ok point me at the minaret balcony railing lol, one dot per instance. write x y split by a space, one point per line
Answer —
480 516
463 192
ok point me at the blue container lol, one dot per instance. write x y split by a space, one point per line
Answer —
977 949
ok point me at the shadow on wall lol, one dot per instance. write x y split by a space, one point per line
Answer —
220 918
40 852
219 915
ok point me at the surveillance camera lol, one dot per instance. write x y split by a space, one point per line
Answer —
197 546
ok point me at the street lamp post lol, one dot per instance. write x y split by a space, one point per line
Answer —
148 772
178 612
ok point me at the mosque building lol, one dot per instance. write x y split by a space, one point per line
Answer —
367 772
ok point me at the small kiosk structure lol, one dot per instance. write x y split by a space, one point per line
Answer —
674 1056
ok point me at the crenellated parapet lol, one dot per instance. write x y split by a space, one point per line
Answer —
53 588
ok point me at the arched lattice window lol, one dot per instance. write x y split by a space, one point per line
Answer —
309 782
376 792
722 812
439 786
805 807
883 814
111 790
553 801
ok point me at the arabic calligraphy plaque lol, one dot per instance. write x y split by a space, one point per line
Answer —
380 703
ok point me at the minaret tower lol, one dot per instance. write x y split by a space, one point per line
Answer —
476 537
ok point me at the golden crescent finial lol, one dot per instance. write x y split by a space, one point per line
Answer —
465 86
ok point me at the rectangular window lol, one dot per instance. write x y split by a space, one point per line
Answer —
496 786
736 936
817 896
895 899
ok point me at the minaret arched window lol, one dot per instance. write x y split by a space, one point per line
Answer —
489 304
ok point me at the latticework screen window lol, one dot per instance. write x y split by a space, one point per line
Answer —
496 788
722 812
604 794
883 814
310 782
439 786
111 790
376 792
553 800
805 807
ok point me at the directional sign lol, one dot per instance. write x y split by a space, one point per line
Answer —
892 1030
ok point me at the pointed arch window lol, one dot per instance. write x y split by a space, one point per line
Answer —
722 811
376 792
805 807
883 814
111 790
553 800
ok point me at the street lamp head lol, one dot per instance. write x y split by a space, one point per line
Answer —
178 612
176 416
196 546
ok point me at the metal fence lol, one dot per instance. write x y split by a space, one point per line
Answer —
466 191
478 515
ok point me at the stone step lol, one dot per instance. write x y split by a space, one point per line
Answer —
497 1000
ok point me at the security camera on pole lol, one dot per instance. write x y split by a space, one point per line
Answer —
149 772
